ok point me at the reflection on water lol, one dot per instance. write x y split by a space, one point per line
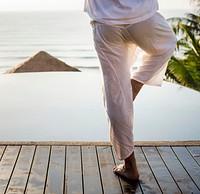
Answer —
68 107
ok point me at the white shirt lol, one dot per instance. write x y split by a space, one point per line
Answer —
120 11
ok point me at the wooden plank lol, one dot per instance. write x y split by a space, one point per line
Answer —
147 180
56 143
110 181
127 186
195 151
38 172
73 180
55 179
2 148
7 165
181 177
19 178
13 174
163 177
92 182
189 163
166 143
101 143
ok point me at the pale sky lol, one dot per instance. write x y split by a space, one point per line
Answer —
37 5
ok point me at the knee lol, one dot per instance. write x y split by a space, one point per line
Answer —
166 46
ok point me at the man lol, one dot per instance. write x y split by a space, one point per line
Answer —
120 27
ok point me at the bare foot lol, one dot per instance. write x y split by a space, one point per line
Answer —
121 170
129 169
136 87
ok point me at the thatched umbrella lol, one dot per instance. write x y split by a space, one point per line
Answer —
41 62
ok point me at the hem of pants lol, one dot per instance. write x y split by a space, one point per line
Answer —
127 155
146 83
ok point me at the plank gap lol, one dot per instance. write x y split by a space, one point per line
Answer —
82 178
38 172
185 166
65 168
98 163
147 180
151 169
13 169
168 169
4 149
30 169
110 181
45 184
120 181
193 155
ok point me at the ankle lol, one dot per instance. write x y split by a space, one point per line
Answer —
130 162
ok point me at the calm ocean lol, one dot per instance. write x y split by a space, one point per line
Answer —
65 35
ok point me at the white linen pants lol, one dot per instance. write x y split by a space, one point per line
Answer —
116 47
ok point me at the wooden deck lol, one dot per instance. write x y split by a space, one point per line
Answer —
76 168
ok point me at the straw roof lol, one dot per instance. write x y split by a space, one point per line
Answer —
41 62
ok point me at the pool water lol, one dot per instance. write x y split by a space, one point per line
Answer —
68 106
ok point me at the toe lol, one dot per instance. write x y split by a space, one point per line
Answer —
119 168
114 168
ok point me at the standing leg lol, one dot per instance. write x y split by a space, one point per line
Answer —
115 56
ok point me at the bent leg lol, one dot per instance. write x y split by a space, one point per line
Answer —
157 39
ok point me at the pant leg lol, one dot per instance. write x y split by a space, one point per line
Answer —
115 58
157 39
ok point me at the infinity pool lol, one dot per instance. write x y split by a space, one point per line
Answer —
63 106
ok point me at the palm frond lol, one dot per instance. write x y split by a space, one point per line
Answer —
182 44
192 21
184 66
195 43
180 73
